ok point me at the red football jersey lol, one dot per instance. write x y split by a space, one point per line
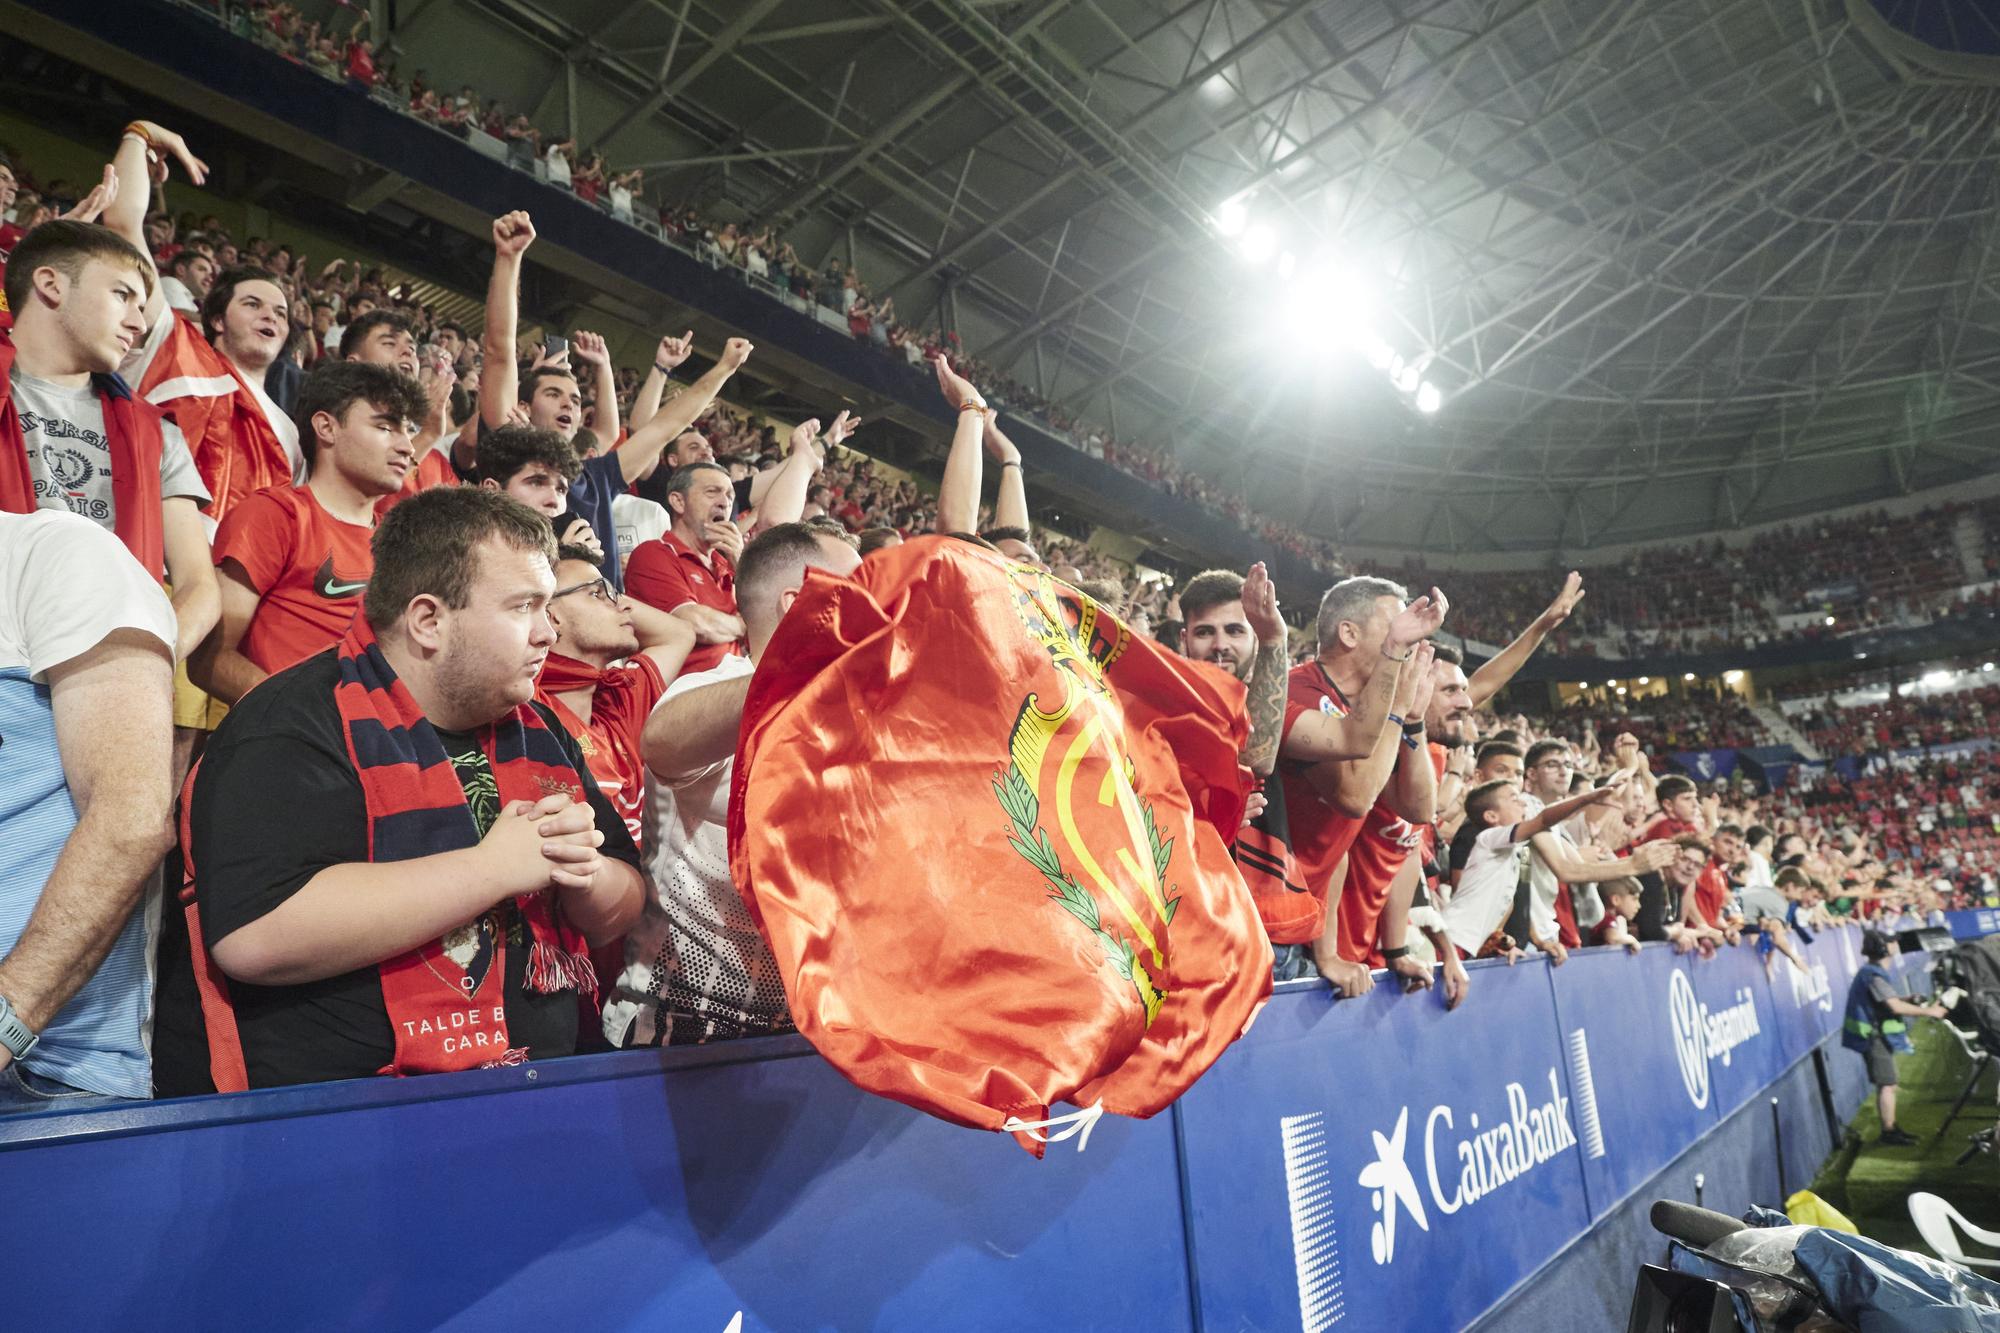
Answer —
1385 841
1320 833
308 567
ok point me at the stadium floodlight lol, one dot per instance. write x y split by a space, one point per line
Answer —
1429 398
1232 217
1688 676
1259 243
1732 676
1612 684
1987 667
1645 680
1829 620
1621 689
1407 379
1936 679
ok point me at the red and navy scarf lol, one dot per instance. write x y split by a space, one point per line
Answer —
446 1000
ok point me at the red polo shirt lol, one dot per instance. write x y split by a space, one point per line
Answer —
668 573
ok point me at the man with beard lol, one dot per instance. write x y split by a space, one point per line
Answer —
1372 668
689 570
398 862
1233 622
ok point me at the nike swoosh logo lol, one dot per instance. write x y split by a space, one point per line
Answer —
333 587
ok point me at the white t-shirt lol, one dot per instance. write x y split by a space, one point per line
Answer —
695 965
69 455
637 520
1485 892
65 586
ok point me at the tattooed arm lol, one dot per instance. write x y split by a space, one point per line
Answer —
1269 673
1266 706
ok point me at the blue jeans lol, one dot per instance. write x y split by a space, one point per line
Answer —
1290 962
23 1090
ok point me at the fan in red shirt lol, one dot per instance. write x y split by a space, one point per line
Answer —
611 662
690 571
1340 749
1680 811
293 561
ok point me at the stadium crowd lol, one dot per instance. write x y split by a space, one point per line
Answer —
300 583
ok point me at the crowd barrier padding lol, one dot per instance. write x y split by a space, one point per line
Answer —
1346 1163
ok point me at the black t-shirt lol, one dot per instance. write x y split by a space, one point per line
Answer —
277 801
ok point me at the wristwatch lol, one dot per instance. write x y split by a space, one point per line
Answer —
14 1034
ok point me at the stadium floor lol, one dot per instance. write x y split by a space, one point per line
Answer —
1870 1183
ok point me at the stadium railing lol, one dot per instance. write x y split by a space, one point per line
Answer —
1379 1160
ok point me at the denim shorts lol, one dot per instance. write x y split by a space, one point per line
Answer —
23 1090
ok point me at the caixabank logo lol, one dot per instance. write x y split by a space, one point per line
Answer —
1424 1171
1702 1034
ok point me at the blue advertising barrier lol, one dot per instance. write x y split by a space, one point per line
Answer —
1357 1160
1974 922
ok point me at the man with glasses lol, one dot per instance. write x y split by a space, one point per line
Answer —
611 662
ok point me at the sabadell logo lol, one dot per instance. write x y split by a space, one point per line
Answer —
1702 1034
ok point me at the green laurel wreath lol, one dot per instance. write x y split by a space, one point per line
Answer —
1023 809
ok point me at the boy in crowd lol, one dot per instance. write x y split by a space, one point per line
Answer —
293 560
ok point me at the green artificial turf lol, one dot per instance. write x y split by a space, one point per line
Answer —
1870 1183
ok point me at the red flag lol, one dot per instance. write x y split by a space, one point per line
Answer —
985 829
235 447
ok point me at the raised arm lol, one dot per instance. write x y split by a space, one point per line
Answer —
1010 509
1493 675
654 387
590 349
1320 737
643 447
499 375
1265 705
139 163
113 709
1573 868
958 493
1352 785
1413 786
785 500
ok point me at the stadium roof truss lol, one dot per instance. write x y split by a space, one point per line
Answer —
1673 264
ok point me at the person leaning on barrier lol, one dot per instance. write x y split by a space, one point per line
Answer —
696 968
398 861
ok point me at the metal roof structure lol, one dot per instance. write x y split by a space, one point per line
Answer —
1672 266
